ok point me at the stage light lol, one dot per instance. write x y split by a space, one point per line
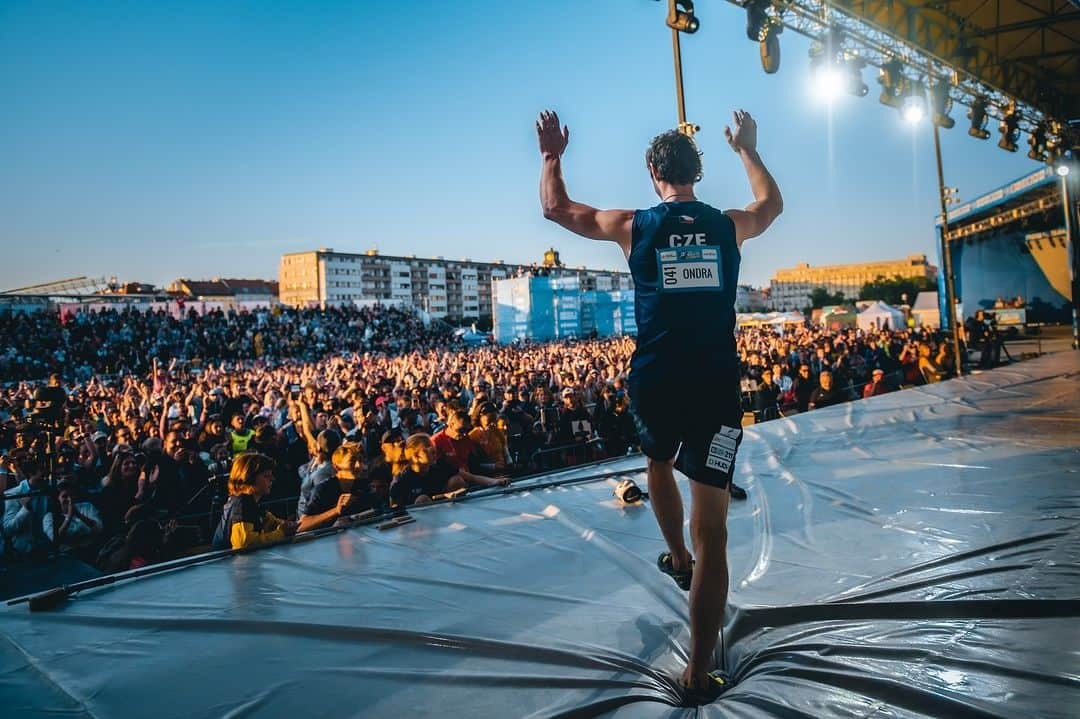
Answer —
828 78
941 104
1009 129
978 117
1062 160
682 20
855 85
770 49
833 78
913 105
1037 141
757 20
761 29
891 80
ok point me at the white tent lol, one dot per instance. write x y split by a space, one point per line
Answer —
926 310
880 315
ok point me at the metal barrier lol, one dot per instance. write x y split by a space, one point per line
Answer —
567 455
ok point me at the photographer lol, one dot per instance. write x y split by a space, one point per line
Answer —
575 425
613 421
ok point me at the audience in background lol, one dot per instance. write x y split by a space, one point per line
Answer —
164 421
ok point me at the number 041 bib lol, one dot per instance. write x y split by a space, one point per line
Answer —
689 269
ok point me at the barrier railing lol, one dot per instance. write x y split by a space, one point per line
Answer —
566 455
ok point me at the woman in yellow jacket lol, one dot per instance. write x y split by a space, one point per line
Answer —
243 523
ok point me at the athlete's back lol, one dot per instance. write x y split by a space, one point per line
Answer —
684 259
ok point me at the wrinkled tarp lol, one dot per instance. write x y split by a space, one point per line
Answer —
915 554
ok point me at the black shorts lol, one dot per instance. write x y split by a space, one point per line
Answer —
702 412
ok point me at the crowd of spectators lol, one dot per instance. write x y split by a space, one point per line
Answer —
155 437
113 342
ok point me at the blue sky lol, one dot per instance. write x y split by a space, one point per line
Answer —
153 140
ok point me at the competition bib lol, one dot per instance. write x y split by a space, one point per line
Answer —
689 269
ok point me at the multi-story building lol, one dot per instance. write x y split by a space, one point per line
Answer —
790 288
455 289
749 299
230 292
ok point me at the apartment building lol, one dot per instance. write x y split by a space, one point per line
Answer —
454 289
790 288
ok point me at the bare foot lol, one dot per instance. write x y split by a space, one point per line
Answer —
689 681
682 564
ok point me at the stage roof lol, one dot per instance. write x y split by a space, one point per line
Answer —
915 554
1029 49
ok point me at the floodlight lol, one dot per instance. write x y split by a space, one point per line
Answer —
913 104
770 49
1061 160
682 20
891 80
1037 141
757 20
828 78
941 104
1009 129
978 117
853 68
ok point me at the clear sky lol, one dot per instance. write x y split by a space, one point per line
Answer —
158 139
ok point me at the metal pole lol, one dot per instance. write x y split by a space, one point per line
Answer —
677 49
1070 248
950 289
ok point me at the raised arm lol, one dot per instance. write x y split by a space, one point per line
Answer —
768 203
611 225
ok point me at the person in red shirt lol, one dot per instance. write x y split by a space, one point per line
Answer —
454 446
453 443
877 386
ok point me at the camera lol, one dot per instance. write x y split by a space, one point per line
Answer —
294 391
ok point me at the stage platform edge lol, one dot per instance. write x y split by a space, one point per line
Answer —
916 554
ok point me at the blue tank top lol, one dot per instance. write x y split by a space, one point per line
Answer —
685 263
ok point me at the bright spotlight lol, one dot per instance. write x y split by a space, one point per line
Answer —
913 105
1062 160
829 80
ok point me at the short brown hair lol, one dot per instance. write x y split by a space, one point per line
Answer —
675 158
245 468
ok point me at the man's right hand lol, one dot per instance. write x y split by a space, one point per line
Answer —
745 135
553 137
